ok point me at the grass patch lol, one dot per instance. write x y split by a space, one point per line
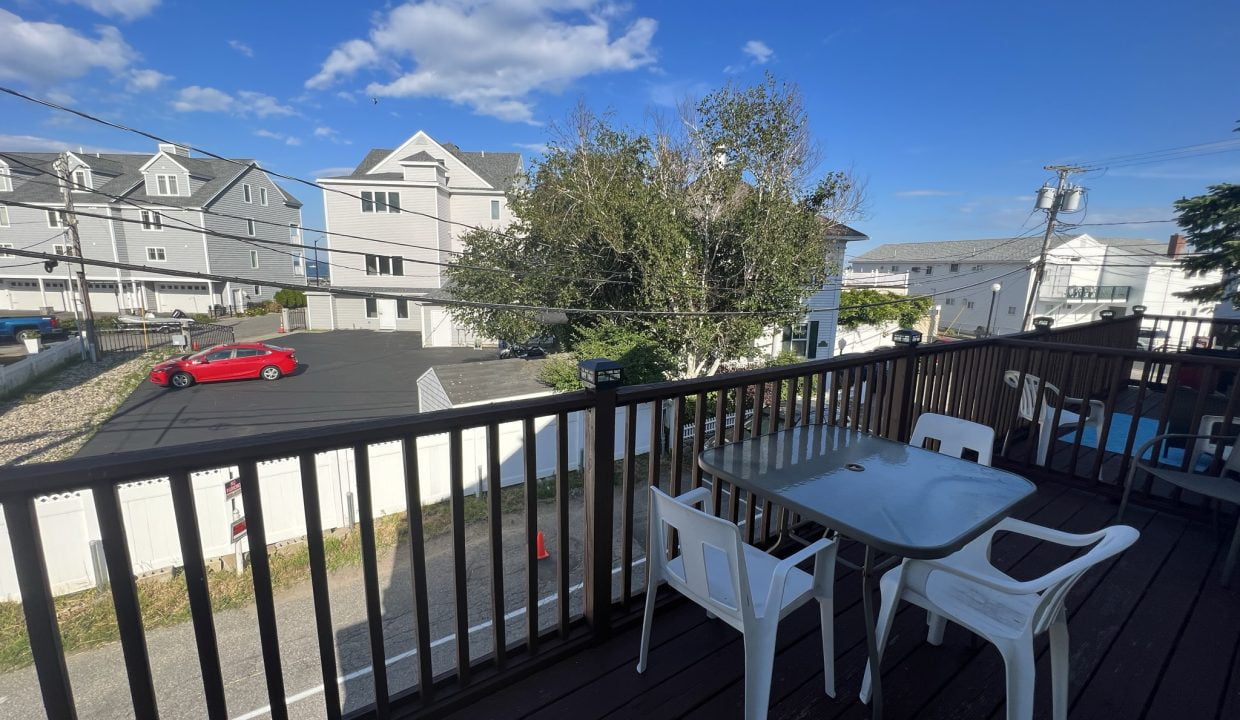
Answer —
87 619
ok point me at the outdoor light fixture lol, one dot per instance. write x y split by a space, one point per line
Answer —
906 336
1106 314
1043 322
599 373
1139 309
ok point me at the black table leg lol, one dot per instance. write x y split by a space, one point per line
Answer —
871 633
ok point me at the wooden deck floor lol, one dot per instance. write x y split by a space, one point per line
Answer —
1153 635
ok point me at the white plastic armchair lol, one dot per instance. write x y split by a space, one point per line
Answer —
737 583
954 436
1095 411
968 590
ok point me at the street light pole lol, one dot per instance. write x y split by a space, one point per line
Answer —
990 316
318 276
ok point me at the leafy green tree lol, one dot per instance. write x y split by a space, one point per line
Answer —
1211 223
723 213
644 360
861 306
289 298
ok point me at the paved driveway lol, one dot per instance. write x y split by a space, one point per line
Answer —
345 375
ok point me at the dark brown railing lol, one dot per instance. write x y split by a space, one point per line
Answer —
881 392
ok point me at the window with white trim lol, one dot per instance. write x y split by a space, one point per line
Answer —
385 265
262 196
372 308
245 193
166 185
4 216
5 246
970 304
253 259
6 179
56 219
978 268
373 202
156 254
64 250
495 209
258 289
949 301
954 267
152 220
81 180
402 309
249 227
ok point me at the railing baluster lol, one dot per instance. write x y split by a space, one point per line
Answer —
820 398
460 590
417 566
529 451
1117 380
808 384
759 403
699 429
655 465
561 517
39 609
678 444
495 521
627 481
264 603
370 578
188 532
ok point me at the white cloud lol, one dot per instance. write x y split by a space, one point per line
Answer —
491 56
540 148
126 9
145 80
758 50
924 193
323 132
346 95
332 171
196 98
286 139
39 51
262 105
34 143
241 47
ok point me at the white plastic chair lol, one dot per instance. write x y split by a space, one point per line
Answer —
967 590
1045 420
954 436
737 583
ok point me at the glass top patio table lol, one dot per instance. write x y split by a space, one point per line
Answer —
892 497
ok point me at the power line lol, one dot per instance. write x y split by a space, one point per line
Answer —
1229 145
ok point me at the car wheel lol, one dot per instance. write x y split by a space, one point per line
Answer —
271 372
181 380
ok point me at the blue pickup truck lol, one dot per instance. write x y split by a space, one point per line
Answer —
11 325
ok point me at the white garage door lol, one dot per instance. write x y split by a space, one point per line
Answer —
21 295
189 297
103 297
56 295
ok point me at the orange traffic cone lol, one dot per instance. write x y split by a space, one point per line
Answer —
542 547
281 326
195 347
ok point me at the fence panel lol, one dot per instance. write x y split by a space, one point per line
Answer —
201 336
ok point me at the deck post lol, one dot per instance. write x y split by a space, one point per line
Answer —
600 378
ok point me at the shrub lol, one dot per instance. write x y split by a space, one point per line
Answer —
202 318
645 360
291 298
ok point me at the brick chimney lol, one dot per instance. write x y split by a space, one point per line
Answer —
1175 248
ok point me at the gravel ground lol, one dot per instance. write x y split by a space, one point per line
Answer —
52 420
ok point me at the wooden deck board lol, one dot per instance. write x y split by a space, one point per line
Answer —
1153 635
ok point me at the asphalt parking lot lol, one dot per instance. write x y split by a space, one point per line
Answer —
343 376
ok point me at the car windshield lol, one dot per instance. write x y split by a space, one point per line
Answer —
277 348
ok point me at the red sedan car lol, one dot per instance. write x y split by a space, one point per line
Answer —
226 362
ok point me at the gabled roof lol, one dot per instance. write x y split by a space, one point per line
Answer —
990 250
120 174
497 169
842 231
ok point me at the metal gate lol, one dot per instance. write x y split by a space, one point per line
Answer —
201 336
295 319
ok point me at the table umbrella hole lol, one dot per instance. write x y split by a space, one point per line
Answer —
855 467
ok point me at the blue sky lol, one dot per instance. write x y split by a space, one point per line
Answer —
949 110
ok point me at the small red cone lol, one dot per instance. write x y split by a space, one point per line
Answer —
195 345
542 547
281 326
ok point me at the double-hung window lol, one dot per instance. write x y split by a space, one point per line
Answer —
372 308
152 220
56 219
249 227
4 216
402 309
156 254
954 267
166 185
245 193
64 250
495 209
81 180
385 265
380 202
6 180
253 259
262 196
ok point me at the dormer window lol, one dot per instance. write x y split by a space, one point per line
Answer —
166 185
6 181
81 180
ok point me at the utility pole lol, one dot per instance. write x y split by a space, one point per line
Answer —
70 222
1053 200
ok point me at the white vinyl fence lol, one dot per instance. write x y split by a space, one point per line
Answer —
70 532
